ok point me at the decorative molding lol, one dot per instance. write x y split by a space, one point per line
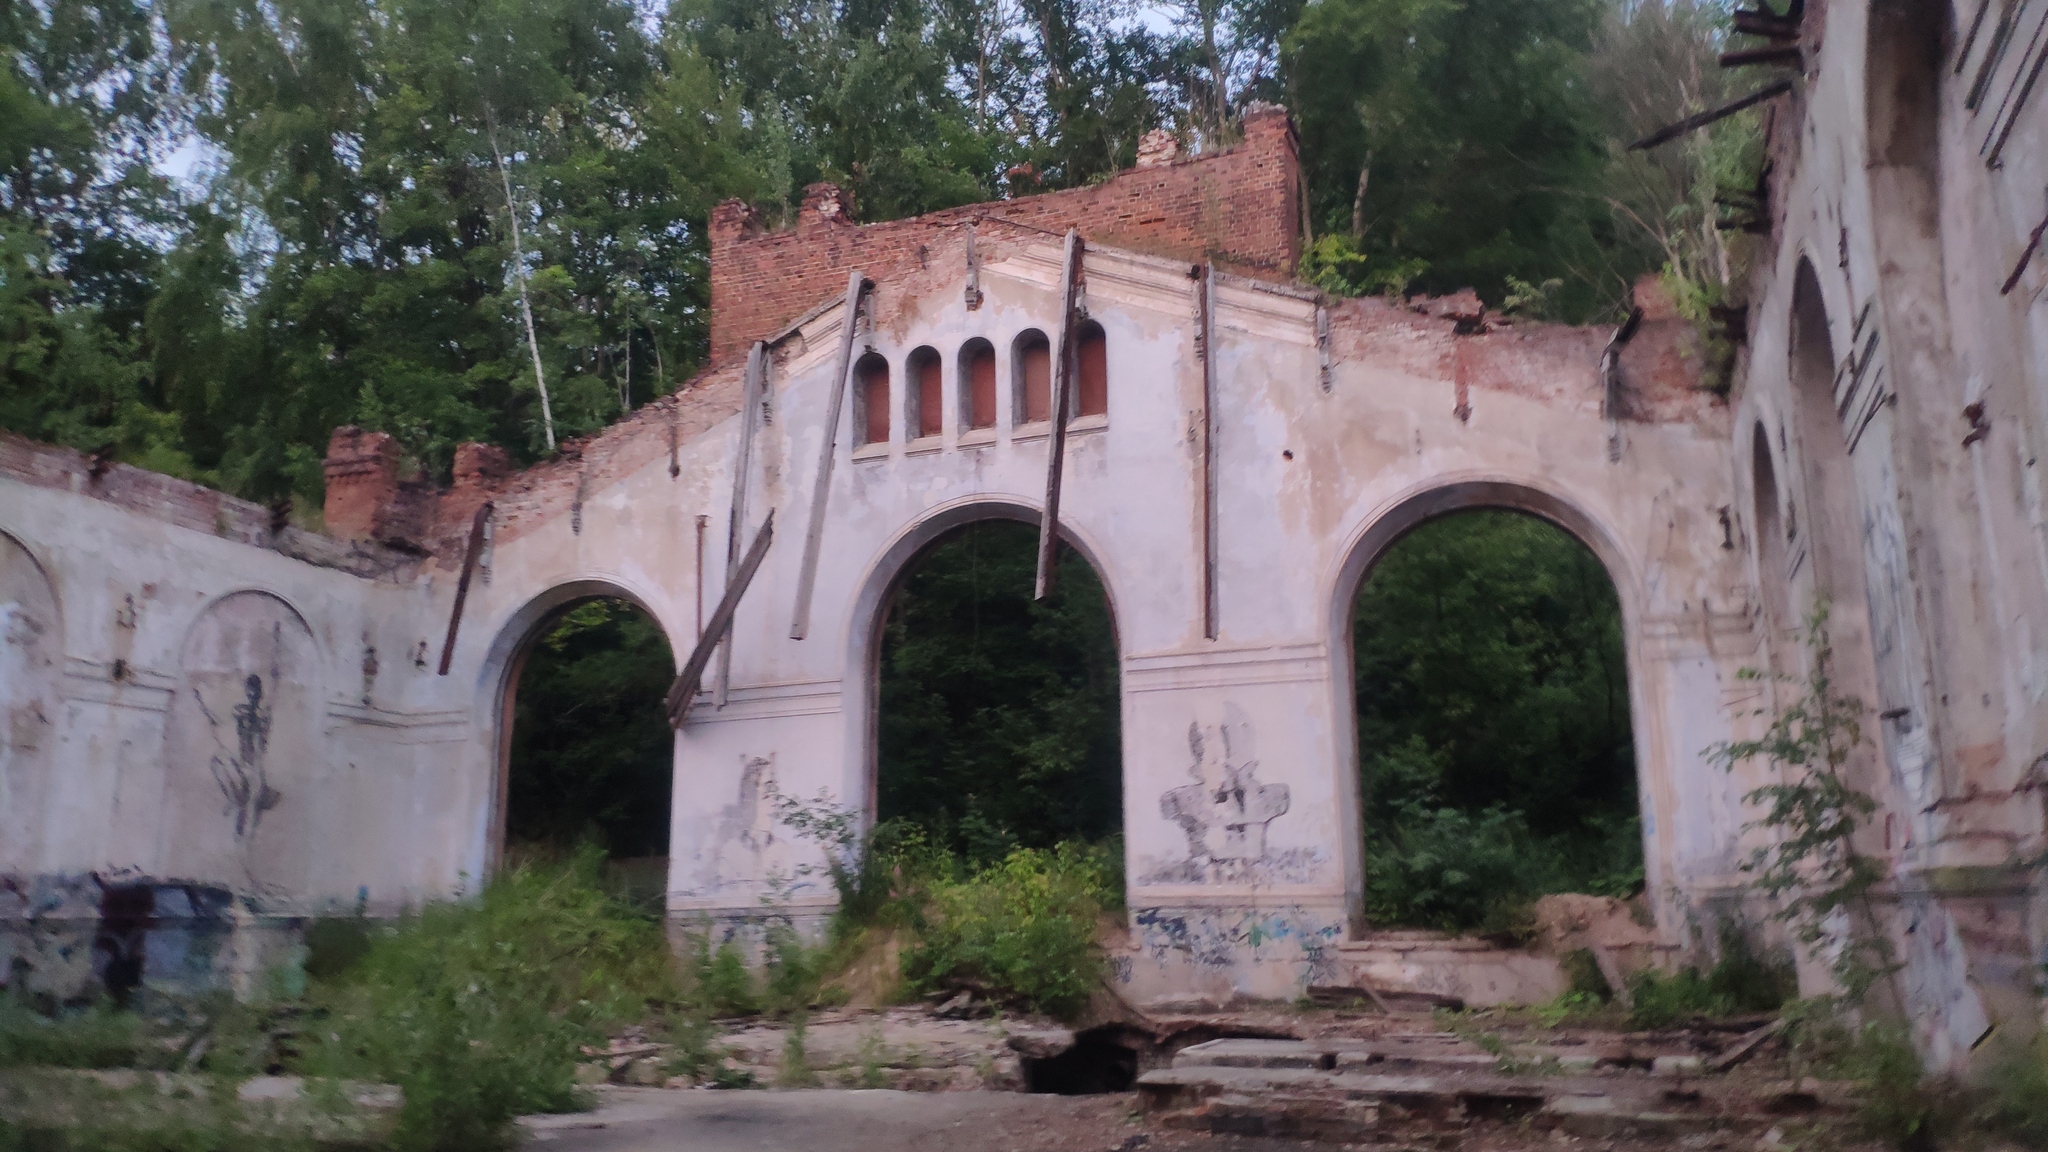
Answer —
94 682
1227 668
771 701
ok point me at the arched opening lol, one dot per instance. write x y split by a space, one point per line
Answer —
977 384
31 651
1091 371
1031 377
1774 581
589 755
871 400
927 396
997 717
1496 755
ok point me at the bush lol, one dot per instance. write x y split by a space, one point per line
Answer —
1741 981
477 1009
1021 931
1454 870
2015 1100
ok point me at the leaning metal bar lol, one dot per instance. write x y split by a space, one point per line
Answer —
742 468
807 577
469 559
683 693
1056 443
1209 542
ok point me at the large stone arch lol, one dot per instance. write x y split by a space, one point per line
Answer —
886 572
244 755
31 661
497 690
1410 510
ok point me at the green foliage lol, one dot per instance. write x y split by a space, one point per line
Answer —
476 1009
98 1036
592 751
1811 865
1454 143
342 251
1021 930
1583 976
721 982
999 714
1494 733
2014 1102
1740 981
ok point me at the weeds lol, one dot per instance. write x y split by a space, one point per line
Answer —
1811 865
1741 981
1022 930
100 1036
477 1009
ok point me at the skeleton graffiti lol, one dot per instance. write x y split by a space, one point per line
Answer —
242 741
239 774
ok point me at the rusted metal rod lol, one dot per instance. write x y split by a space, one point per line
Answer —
1056 443
857 287
469 559
1694 123
683 692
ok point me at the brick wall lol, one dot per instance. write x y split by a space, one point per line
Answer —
1240 208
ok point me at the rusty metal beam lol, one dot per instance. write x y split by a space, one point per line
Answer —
1207 296
469 559
742 468
1694 123
857 287
683 693
1056 443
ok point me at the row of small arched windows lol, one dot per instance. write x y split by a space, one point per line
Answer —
977 404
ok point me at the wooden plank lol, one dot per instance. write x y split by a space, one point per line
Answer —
814 537
1210 629
1694 123
683 692
1056 443
469 559
742 469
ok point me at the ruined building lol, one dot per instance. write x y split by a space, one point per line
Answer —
215 723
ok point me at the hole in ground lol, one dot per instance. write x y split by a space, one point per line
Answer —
1096 1063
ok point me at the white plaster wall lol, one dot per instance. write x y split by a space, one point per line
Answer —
374 786
1269 699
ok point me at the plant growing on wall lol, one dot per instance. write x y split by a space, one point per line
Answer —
1811 866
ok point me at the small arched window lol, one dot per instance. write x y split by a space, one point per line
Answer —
927 395
871 411
1091 371
1032 378
978 384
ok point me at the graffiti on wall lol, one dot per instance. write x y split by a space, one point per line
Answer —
241 741
1224 813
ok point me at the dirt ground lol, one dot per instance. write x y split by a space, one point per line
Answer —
877 1120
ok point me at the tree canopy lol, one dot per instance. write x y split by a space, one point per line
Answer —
229 225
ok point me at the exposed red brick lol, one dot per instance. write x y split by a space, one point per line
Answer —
362 481
1240 207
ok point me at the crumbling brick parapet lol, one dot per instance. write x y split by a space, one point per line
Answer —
362 481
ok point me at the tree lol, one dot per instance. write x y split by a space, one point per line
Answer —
1493 725
999 714
84 111
1451 143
